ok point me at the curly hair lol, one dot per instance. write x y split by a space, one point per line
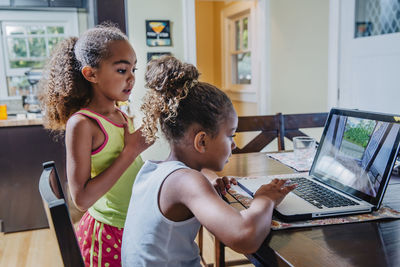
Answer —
63 89
176 100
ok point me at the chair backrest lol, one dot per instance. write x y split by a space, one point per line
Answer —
58 215
292 123
268 126
276 126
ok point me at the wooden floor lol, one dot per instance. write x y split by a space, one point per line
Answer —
29 248
39 248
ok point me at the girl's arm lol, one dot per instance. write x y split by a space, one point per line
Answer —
242 231
80 133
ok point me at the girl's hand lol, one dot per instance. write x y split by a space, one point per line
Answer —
223 184
276 190
135 140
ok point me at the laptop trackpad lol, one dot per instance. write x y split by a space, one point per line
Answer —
293 204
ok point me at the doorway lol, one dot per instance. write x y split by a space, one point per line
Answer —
368 35
228 53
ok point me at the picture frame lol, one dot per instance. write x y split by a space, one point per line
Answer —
363 29
158 33
155 55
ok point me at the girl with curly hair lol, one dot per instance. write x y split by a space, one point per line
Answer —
83 81
172 198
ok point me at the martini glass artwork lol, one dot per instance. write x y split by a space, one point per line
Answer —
157 27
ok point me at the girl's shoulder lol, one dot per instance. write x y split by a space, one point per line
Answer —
186 172
189 179
79 122
104 120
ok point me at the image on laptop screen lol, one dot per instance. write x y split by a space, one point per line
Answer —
355 152
356 136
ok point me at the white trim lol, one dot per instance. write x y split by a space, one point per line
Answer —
262 48
90 14
227 14
3 82
21 16
189 31
333 54
243 95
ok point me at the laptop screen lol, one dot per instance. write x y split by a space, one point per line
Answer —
357 152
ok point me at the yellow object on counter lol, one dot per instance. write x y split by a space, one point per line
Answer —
3 112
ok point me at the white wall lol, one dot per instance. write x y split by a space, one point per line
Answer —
138 12
298 49
299 55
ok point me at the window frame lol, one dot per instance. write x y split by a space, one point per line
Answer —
233 50
68 19
229 15
20 71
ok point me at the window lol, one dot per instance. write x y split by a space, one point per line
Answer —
237 47
26 45
241 54
376 17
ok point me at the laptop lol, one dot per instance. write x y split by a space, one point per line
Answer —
350 171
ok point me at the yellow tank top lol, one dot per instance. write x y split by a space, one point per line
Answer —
112 207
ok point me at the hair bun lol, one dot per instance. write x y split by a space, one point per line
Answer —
168 74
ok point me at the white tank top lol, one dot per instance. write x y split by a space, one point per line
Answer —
149 238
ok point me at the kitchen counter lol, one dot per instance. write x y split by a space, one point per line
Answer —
13 121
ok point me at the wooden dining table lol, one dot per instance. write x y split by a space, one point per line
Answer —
374 243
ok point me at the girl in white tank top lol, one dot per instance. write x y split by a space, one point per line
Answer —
172 198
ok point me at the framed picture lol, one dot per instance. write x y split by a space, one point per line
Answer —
158 33
363 29
154 55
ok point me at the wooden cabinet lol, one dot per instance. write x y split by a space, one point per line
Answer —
113 11
23 149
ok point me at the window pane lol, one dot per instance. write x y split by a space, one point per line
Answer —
237 35
245 34
18 86
16 48
53 41
55 29
36 30
376 17
35 64
241 68
37 47
15 30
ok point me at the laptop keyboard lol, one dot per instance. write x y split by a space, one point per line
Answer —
318 195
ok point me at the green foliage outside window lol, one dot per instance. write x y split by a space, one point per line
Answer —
360 134
37 47
55 30
17 47
15 64
29 46
246 33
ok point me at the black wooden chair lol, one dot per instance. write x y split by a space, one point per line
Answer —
290 125
58 215
270 127
279 126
